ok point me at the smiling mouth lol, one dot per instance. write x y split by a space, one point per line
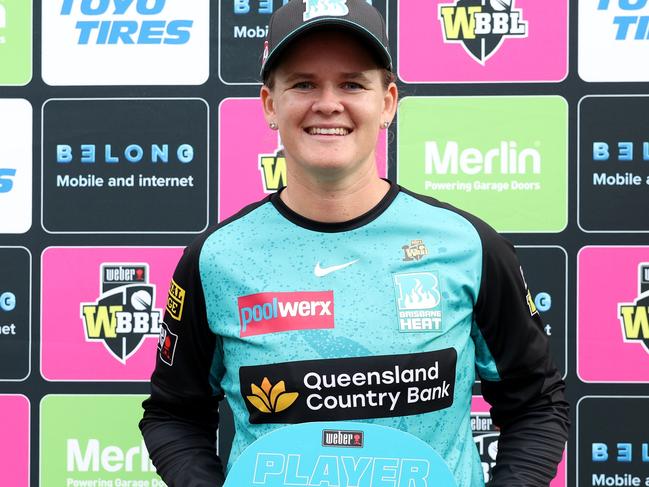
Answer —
328 131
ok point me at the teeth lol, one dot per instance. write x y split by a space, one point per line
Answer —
323 131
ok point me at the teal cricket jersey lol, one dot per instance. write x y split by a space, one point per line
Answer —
381 319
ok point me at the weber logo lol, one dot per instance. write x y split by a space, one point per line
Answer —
346 439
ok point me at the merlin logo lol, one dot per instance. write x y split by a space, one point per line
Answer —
273 171
270 399
485 436
635 316
415 251
349 439
123 314
321 8
419 302
481 25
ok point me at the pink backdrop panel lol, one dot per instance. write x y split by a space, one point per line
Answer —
479 405
607 277
424 56
243 136
14 440
70 277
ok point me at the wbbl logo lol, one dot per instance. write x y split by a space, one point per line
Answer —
634 317
123 314
481 26
273 171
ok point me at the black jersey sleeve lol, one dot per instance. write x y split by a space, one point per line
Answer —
527 392
181 415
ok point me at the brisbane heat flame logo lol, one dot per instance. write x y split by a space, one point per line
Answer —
123 314
481 25
634 317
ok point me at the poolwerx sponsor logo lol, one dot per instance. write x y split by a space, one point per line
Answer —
285 311
351 388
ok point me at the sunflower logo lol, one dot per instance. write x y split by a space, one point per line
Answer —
271 398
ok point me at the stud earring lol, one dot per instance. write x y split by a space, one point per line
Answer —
386 124
272 125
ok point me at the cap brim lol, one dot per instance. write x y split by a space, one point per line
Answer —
373 41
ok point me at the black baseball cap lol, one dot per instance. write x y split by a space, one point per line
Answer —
300 16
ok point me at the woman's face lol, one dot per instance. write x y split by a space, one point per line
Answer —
329 102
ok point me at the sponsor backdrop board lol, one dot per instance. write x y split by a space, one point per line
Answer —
102 322
98 442
15 313
15 42
164 42
467 41
613 294
14 441
251 162
133 156
613 163
486 434
504 159
15 165
530 114
616 452
612 38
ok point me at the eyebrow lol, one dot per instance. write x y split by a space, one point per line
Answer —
354 75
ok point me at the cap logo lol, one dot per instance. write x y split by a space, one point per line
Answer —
321 8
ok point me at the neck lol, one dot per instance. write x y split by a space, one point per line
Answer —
334 200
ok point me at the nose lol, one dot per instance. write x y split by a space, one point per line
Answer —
328 101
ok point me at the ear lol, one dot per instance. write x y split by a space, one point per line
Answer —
268 104
390 101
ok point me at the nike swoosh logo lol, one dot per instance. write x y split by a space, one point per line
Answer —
323 271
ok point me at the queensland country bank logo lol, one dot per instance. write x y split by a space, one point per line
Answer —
481 26
419 302
634 316
273 171
123 314
274 312
269 398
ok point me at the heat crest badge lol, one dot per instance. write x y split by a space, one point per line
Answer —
123 315
481 26
419 301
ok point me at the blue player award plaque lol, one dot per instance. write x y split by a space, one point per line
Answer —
341 454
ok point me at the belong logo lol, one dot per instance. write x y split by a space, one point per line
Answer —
113 42
264 313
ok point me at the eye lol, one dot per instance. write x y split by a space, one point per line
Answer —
303 85
352 85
